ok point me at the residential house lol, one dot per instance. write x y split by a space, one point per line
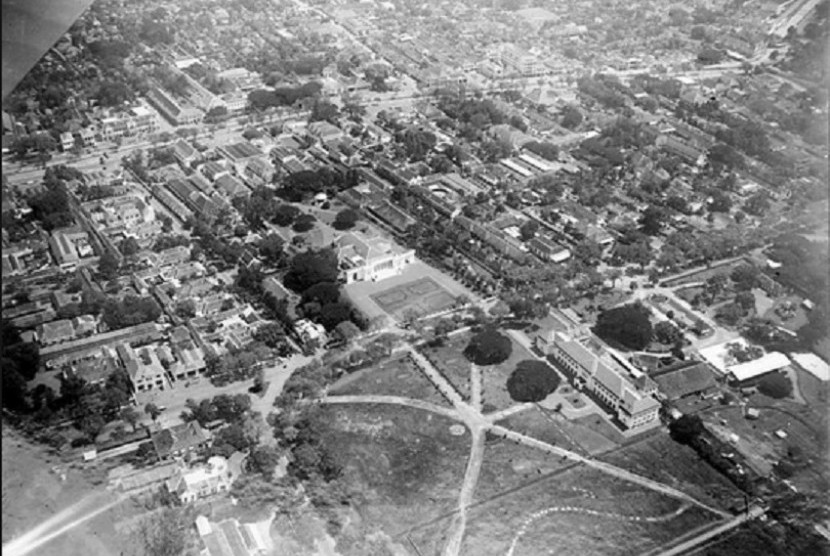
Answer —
311 334
184 153
67 141
180 441
324 131
188 485
55 332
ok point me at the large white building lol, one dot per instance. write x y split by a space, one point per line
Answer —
370 258
626 391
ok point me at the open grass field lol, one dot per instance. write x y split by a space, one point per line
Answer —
406 464
393 377
32 494
536 509
662 459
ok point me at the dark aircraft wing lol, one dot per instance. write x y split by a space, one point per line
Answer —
30 28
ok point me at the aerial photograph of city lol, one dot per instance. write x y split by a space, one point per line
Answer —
415 278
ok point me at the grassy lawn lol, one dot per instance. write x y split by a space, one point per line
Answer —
406 464
493 525
393 377
593 434
544 425
662 459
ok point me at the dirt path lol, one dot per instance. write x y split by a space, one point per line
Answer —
394 400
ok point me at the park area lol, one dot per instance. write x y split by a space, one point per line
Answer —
578 511
450 360
418 288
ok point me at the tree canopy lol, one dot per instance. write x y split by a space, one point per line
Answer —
628 325
311 267
532 381
775 385
488 347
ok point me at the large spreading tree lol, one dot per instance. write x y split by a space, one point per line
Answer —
488 347
628 325
532 381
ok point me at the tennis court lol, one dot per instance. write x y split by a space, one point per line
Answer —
424 296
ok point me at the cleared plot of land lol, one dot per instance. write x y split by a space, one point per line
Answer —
594 434
395 292
662 459
394 377
422 296
405 462
492 526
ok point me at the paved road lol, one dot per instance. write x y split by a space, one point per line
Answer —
754 512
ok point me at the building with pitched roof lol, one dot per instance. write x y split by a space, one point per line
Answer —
686 378
143 367
175 113
188 485
230 538
365 258
630 397
179 441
